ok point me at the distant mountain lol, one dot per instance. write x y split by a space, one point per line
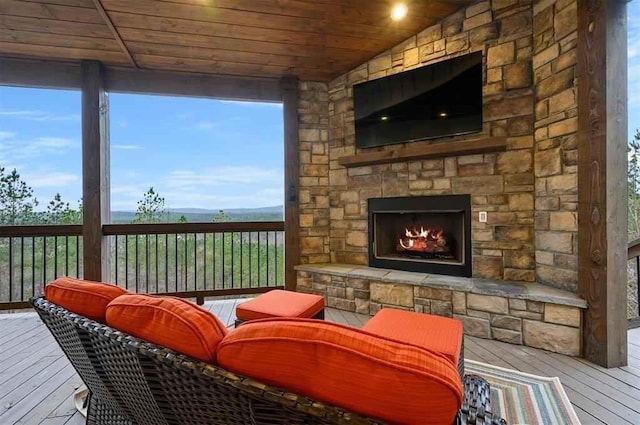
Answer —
274 209
195 215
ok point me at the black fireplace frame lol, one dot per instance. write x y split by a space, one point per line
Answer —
423 204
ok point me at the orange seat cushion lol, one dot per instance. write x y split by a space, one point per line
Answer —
436 333
346 367
279 303
83 297
170 322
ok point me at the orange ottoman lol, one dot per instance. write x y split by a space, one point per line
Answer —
435 333
279 303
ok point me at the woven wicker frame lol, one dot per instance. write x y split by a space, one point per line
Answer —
135 382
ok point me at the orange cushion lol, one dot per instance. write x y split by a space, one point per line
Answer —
279 303
170 322
435 333
82 297
346 367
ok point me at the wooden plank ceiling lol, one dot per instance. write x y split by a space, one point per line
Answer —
312 39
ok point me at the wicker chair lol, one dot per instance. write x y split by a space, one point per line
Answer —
131 381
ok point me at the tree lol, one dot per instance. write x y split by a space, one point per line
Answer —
16 199
182 219
151 208
221 217
59 212
633 187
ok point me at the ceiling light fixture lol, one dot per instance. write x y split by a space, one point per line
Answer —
443 114
384 118
399 11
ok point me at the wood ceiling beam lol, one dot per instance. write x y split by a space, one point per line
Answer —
17 72
20 72
115 32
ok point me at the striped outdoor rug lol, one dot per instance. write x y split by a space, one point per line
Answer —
522 398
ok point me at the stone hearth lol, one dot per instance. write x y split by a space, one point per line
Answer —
519 313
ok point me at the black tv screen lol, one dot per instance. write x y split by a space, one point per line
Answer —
443 99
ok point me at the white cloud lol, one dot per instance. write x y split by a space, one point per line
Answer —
206 125
222 187
5 135
35 115
51 142
210 200
15 149
253 104
49 179
42 146
221 176
127 147
133 190
124 197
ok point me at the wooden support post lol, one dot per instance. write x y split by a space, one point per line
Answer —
95 170
290 99
602 180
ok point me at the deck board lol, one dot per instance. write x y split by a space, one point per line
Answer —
37 383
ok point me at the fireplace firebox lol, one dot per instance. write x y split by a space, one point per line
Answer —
429 234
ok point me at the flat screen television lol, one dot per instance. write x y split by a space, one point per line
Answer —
443 99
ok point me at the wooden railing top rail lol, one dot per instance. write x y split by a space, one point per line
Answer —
141 229
170 228
634 249
41 230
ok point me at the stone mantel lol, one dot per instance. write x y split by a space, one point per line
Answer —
515 312
501 288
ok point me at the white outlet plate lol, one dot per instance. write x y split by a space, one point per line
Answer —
482 216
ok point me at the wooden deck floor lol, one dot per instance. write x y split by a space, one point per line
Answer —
37 382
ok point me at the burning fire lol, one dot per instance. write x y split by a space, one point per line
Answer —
425 240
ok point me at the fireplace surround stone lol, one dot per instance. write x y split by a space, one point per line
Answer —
515 312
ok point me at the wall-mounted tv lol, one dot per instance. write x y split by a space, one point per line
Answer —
443 99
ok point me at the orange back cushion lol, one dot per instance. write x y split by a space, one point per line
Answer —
82 297
170 322
346 367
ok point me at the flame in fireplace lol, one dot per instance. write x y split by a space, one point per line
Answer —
422 239
430 234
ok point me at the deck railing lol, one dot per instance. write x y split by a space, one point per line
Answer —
183 259
197 259
633 253
31 256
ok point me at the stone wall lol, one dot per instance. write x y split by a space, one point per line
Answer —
500 183
549 325
529 191
632 289
556 149
314 172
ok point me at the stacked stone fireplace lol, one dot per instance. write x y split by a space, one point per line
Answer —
429 234
523 259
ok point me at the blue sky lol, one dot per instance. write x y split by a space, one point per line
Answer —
197 153
633 49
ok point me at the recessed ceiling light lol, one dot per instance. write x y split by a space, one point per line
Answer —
384 118
443 114
399 11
